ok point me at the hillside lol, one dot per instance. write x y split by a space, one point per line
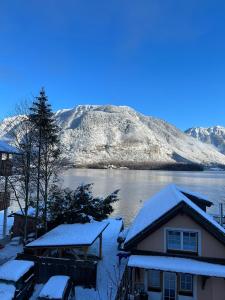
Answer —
119 135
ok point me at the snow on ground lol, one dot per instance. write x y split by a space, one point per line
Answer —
9 251
109 271
37 290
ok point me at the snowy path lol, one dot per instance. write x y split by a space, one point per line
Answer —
109 271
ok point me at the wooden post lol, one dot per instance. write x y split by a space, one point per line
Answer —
100 246
5 208
85 252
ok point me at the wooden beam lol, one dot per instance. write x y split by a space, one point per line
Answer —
85 252
100 246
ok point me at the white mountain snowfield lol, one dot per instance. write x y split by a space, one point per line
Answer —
214 135
111 134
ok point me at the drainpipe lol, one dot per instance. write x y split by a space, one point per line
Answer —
221 213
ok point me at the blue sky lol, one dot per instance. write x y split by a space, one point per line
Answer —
165 58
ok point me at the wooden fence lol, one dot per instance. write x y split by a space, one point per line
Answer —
82 272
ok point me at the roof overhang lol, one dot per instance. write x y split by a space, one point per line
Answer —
5 148
177 265
68 239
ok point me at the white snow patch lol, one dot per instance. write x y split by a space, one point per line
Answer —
14 269
177 264
71 234
7 291
55 287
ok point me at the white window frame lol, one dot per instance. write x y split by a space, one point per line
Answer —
192 282
159 287
199 250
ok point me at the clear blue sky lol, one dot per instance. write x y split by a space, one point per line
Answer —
165 58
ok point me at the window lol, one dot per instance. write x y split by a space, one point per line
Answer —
154 281
182 240
190 241
174 240
186 283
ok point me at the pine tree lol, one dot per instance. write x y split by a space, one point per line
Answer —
47 148
79 206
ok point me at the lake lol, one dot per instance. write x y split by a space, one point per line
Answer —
136 186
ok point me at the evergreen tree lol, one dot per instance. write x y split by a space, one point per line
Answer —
79 206
47 148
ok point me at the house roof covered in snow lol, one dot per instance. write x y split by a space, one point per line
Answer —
177 264
70 235
55 287
167 200
14 269
6 148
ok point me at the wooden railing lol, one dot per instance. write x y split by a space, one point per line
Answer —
6 167
82 272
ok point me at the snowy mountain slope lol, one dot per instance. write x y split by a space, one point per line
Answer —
212 135
118 134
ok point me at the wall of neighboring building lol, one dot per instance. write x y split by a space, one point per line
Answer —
214 289
18 225
210 246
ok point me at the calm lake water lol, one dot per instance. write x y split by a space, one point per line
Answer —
138 186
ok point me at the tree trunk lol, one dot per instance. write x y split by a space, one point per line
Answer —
27 181
46 188
38 182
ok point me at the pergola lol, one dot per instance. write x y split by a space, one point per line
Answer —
70 236
6 154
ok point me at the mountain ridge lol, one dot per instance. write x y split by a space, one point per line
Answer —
119 135
213 135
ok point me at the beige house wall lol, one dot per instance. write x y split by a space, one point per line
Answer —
214 288
210 246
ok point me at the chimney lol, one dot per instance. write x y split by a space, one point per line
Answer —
221 213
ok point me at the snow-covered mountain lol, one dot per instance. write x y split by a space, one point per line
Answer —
119 135
212 135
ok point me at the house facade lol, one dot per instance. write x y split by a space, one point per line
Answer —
177 249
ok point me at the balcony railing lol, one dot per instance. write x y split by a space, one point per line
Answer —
6 167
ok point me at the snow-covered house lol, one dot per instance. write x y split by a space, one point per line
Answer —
177 249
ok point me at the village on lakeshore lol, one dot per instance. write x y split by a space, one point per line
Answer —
59 243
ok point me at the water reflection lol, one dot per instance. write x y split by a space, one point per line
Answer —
137 186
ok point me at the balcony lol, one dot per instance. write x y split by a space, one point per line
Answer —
6 167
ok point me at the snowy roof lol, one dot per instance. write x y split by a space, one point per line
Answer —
161 203
70 235
7 291
14 269
177 264
195 194
6 148
55 287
